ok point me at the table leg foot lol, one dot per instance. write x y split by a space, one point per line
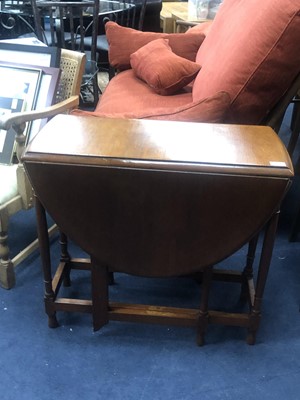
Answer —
52 321
254 320
251 337
203 323
200 339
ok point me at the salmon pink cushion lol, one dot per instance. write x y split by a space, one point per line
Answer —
125 41
161 69
141 102
212 109
252 52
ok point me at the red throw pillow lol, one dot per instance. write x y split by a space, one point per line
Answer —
161 69
125 41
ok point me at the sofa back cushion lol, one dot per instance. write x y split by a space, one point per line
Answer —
124 41
252 52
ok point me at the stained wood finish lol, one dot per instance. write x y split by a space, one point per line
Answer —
154 198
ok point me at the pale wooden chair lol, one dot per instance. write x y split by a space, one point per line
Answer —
15 191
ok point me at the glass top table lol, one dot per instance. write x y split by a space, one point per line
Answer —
24 7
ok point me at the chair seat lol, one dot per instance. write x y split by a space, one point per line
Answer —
8 179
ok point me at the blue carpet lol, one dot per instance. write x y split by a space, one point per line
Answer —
143 362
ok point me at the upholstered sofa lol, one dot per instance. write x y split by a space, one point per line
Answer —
234 69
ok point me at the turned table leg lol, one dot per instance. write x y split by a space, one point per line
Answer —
263 269
99 276
43 236
248 270
65 258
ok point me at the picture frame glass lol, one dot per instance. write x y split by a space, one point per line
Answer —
31 55
19 88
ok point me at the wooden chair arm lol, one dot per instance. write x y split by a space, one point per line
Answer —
19 118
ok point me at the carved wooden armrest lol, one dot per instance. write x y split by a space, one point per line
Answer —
18 120
9 120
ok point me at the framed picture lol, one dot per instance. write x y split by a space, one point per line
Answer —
46 95
30 55
19 87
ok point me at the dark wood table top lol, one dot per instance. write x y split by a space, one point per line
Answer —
157 198
161 144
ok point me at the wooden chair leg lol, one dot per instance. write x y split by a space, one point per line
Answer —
203 314
7 273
